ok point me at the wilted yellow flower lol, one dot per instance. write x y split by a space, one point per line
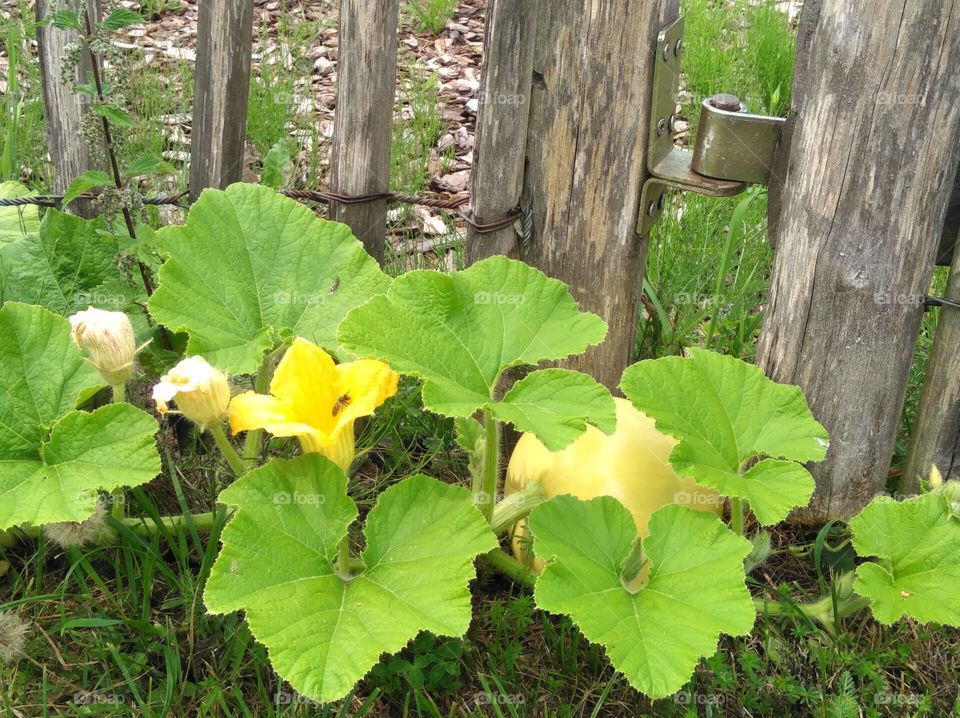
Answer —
316 400
201 392
108 339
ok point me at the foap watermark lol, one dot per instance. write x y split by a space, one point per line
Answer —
295 498
899 99
97 496
298 298
502 98
99 299
897 699
483 698
86 698
497 298
900 299
686 698
695 498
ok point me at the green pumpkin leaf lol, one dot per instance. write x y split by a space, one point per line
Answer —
725 413
918 544
555 403
255 266
279 557
696 586
459 332
55 459
69 266
17 222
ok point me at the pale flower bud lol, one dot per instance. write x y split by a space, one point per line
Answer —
201 392
108 339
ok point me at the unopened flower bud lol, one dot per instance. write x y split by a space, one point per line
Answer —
108 339
936 478
201 392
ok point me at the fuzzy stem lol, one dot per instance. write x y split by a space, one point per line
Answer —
736 515
820 611
509 566
517 506
485 494
144 527
261 385
343 557
226 448
119 393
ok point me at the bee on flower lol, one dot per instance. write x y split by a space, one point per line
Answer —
316 400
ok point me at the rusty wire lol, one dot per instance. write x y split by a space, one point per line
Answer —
480 226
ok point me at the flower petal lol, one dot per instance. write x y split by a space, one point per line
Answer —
257 411
368 383
306 381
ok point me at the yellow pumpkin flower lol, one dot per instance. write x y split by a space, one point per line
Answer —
316 400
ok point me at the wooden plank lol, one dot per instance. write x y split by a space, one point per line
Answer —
63 106
867 166
224 45
498 155
935 440
363 125
586 150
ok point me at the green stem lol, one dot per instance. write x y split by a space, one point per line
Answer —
117 506
517 506
343 557
226 448
485 495
634 564
820 611
119 393
261 385
7 539
509 566
736 515
144 527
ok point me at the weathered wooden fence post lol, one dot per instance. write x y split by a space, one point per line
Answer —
224 45
935 440
64 107
866 167
363 124
501 141
586 159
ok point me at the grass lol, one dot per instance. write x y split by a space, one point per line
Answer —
123 631
430 15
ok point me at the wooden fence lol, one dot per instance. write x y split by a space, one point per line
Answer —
858 196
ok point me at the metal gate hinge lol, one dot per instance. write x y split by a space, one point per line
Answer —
732 148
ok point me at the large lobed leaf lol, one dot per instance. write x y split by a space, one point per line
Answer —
695 591
324 632
54 460
17 222
251 266
725 412
460 331
70 265
918 544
